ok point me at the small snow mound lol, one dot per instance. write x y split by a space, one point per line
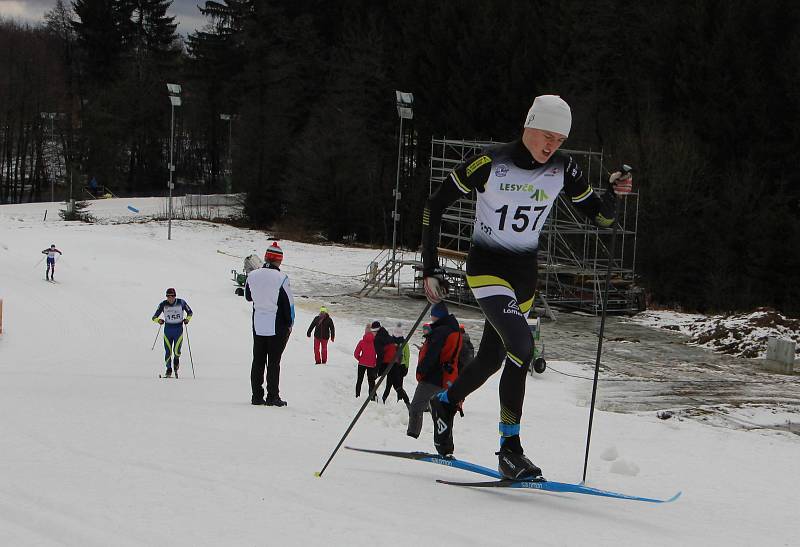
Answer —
625 467
610 454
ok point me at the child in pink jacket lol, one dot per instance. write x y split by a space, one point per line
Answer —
366 357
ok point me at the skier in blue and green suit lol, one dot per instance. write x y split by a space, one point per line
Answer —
173 309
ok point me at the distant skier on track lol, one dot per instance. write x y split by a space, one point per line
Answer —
517 186
173 309
51 262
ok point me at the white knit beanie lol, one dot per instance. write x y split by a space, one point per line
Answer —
550 113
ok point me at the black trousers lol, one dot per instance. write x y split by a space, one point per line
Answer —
371 375
267 352
395 380
504 286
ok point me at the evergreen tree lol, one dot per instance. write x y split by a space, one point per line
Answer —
340 171
282 75
151 61
216 62
103 30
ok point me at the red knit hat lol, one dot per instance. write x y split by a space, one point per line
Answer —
274 253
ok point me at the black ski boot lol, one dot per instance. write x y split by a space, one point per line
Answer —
275 401
512 464
442 413
256 400
176 365
168 374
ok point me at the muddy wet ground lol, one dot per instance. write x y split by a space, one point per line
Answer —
643 369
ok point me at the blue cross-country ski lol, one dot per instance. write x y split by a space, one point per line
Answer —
500 482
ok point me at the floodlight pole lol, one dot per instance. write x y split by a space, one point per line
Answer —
404 104
171 169
175 100
396 200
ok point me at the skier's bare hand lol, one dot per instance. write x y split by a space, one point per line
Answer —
435 285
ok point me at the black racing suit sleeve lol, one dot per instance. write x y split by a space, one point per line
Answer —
468 176
599 209
247 295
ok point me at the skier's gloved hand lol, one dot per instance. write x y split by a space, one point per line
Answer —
239 291
435 284
160 321
186 321
621 183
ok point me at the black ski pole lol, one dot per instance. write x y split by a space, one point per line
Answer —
188 345
374 390
611 257
156 340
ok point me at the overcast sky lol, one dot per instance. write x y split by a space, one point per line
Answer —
185 11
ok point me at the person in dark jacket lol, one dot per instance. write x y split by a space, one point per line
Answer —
467 349
395 376
438 364
273 316
386 352
323 328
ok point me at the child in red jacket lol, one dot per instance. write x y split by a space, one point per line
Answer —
324 330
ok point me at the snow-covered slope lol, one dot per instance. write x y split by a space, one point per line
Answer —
96 450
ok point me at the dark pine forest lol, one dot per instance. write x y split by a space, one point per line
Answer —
702 97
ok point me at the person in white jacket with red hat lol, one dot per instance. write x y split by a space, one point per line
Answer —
273 317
